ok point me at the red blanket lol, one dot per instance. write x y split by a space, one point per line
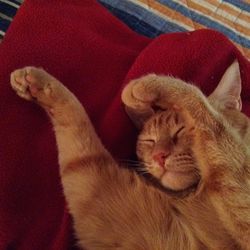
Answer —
93 54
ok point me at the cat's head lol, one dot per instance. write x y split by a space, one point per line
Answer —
165 139
164 147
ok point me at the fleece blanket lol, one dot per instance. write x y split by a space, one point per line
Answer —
94 55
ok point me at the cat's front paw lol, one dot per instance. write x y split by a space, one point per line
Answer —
141 93
149 94
32 83
159 92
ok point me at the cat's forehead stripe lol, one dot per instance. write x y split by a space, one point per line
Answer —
163 118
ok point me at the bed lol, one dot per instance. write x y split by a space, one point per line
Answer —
95 55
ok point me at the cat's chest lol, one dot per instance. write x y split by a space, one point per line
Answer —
200 224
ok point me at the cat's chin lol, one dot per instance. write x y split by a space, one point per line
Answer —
178 181
167 186
177 184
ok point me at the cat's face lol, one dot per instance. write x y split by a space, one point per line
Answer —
165 143
164 147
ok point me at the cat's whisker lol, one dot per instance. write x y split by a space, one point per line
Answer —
129 161
143 171
139 165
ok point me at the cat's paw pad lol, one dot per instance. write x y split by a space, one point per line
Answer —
31 83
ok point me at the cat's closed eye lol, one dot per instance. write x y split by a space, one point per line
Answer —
177 134
149 141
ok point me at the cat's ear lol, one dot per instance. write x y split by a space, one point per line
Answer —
228 91
139 117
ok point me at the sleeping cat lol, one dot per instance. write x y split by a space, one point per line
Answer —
194 147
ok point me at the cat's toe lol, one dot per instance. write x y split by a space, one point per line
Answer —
20 84
37 77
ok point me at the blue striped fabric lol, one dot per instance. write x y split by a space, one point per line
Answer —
207 21
8 9
135 23
139 19
154 17
239 3
160 25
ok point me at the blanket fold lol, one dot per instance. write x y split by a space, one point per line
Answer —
94 55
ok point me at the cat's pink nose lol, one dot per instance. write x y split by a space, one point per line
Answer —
160 157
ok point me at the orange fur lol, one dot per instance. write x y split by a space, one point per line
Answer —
113 207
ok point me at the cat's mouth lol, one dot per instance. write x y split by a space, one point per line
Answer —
178 182
178 172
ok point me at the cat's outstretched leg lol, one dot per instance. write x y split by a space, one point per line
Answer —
82 156
78 145
67 114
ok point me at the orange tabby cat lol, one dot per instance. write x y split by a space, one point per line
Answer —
195 147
